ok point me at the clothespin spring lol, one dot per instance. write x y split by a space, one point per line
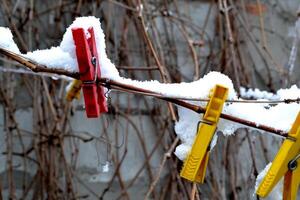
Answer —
293 163
107 96
94 63
204 122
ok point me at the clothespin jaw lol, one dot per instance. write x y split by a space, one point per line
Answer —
88 63
202 169
291 184
285 165
195 165
74 90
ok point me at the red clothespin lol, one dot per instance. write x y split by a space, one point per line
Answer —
89 69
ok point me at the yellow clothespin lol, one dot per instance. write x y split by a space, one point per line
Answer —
285 163
194 167
74 90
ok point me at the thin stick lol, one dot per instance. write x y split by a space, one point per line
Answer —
225 9
163 72
193 192
162 164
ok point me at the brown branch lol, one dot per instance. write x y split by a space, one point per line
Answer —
132 89
162 69
225 9
161 167
36 67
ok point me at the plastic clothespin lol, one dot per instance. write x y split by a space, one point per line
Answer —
194 167
74 90
285 164
89 68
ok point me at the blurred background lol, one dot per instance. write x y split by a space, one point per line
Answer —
50 150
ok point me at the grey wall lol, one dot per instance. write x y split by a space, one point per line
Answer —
279 18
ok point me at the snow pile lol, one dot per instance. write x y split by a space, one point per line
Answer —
257 94
108 70
64 56
46 57
197 89
292 93
276 193
280 116
6 40
186 127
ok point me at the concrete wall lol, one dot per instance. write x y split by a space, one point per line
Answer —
92 156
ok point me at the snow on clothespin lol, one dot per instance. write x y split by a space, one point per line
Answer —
194 167
73 91
285 164
89 68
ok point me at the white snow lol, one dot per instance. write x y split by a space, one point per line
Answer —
291 93
108 69
197 89
46 57
64 56
257 94
280 116
276 193
6 40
